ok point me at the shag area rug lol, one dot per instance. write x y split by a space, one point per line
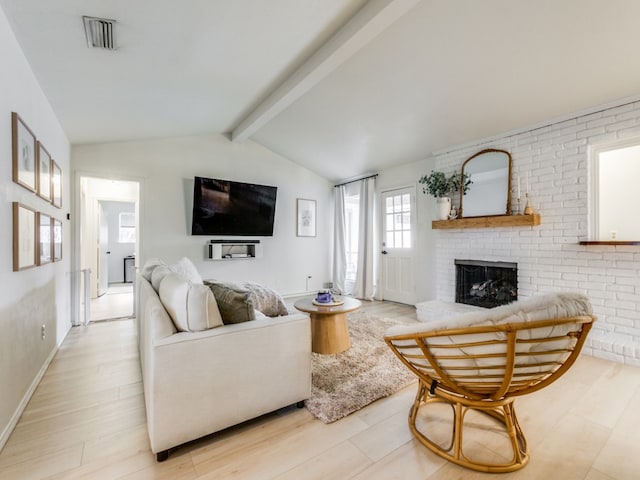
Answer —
345 382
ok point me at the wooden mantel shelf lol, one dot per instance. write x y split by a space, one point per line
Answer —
494 221
609 242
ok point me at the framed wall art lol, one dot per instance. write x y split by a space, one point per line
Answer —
306 213
24 237
57 240
44 172
23 153
45 246
56 184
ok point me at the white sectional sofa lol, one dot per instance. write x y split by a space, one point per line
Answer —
200 382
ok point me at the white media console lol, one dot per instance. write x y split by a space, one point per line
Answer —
233 249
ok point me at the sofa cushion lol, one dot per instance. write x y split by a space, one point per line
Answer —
264 299
235 306
192 306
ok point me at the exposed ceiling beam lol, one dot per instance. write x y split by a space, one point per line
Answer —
373 18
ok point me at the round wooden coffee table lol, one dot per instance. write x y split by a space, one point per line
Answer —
329 330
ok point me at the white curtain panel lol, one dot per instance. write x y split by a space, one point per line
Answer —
367 268
340 241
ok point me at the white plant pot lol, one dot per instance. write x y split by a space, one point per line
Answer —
444 207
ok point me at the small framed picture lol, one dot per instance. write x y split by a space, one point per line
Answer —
23 153
45 246
57 240
56 184
24 237
44 173
306 213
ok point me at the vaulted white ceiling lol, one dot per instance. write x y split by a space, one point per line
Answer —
343 87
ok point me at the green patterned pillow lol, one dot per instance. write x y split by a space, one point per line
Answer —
235 306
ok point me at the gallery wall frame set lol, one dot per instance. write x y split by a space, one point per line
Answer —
37 238
33 166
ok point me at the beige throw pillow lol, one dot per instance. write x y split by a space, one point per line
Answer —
191 306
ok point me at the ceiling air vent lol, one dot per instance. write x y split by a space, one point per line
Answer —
100 33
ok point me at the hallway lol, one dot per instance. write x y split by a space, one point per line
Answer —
117 303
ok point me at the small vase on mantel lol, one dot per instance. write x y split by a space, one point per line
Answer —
444 207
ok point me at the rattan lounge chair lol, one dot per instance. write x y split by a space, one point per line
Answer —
483 361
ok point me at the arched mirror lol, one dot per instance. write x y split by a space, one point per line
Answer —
490 192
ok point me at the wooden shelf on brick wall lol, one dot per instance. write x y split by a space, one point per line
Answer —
494 221
609 242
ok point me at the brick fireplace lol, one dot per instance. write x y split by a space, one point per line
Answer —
555 161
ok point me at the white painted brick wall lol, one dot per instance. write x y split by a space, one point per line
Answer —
555 159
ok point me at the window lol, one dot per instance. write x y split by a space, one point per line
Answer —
397 224
126 227
615 169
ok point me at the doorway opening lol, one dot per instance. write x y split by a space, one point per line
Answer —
109 238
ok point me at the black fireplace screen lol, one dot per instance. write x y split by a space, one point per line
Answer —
486 284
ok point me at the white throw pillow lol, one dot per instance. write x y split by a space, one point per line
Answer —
149 267
187 269
191 306
158 275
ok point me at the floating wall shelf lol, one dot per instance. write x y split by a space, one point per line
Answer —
494 221
609 242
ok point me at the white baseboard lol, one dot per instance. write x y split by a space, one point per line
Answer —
299 294
6 433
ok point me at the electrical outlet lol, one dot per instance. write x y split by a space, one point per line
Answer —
614 234
43 331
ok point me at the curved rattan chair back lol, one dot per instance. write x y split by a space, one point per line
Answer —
494 362
485 367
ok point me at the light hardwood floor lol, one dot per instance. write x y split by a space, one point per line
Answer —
87 420
116 303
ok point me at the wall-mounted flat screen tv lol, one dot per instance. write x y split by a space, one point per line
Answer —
222 207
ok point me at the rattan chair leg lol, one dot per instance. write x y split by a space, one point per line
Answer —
504 413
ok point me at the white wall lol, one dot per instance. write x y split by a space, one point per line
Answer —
549 257
37 296
166 168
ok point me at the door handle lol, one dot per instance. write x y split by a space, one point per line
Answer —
384 252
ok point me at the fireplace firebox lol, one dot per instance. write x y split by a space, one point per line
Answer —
486 284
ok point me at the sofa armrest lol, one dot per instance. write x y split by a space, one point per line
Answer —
202 382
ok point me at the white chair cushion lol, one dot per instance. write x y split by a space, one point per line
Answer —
191 306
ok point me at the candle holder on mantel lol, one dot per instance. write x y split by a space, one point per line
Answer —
518 211
528 209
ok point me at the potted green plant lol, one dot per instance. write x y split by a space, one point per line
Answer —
438 185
